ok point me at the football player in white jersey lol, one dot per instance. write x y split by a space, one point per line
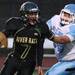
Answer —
63 27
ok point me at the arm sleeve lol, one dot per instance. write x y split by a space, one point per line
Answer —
48 32
49 23
40 52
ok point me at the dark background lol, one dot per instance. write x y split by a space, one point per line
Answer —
10 8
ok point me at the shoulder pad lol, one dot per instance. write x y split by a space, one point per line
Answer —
13 19
14 23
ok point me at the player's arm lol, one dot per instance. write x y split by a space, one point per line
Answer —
40 52
3 40
57 39
61 39
66 38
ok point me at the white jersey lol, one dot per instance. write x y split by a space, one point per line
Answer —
63 51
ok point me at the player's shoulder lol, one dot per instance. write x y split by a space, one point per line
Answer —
14 23
55 17
43 25
72 26
43 22
13 20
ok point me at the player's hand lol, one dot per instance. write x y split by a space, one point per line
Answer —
40 70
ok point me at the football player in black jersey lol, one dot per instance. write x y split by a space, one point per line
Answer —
28 43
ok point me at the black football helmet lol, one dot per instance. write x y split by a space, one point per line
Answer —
28 7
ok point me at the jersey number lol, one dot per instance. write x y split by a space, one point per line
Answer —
25 52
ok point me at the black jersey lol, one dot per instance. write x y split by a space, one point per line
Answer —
28 42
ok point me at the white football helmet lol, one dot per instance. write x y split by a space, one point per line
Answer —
67 14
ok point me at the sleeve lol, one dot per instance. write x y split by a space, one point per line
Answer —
40 52
54 21
48 32
71 33
49 23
